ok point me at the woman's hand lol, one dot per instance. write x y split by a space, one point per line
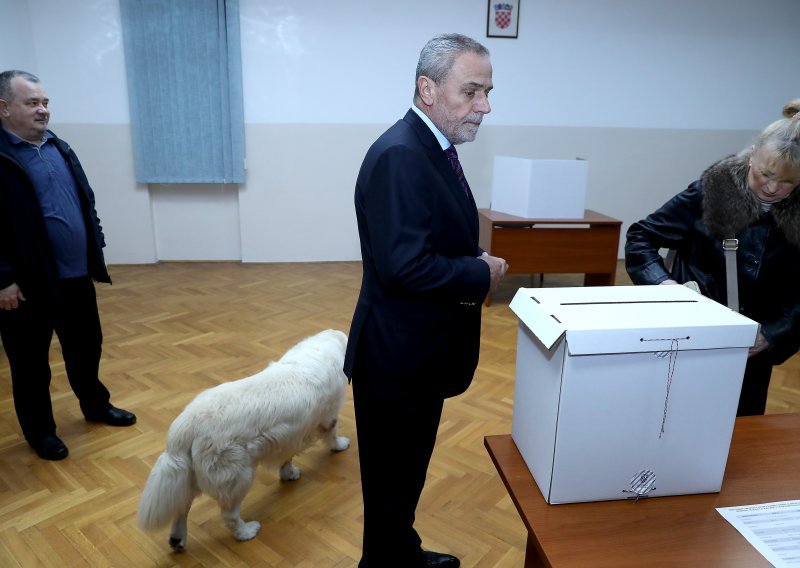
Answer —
761 345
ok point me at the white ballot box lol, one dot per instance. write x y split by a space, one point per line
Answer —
626 391
539 189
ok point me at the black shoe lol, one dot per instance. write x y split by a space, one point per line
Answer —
113 416
51 448
439 560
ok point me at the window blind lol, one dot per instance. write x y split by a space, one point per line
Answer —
184 72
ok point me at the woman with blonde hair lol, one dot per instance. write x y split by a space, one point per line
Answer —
746 203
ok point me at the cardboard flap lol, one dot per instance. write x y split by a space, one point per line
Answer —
543 324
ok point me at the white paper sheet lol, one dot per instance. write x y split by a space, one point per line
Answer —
772 528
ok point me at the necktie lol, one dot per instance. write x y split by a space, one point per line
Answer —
452 155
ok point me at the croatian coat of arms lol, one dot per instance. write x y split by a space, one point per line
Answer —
502 15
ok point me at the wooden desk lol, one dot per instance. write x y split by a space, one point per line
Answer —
539 246
763 466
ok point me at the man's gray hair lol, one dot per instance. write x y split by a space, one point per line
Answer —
437 57
6 92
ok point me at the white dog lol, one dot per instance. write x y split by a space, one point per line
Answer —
216 443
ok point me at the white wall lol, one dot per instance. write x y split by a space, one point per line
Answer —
651 92
610 63
16 32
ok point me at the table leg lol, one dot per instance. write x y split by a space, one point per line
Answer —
599 279
532 557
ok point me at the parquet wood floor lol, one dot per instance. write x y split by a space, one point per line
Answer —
174 329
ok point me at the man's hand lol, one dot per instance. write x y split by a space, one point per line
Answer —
497 269
10 297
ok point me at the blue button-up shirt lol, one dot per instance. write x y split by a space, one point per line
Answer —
58 196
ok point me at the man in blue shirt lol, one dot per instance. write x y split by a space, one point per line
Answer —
50 252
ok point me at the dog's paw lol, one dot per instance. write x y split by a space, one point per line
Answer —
341 444
177 544
247 530
289 472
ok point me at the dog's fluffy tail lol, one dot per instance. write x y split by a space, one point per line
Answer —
168 492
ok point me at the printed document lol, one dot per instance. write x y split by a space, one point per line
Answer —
772 528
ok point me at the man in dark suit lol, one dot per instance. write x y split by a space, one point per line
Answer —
415 335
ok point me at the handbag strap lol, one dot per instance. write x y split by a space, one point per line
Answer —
730 246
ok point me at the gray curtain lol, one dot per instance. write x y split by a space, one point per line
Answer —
183 63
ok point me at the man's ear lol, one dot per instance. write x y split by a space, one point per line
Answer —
426 87
3 107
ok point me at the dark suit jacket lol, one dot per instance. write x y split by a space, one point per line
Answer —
417 322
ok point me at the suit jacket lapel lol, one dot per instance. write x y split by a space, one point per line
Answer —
442 164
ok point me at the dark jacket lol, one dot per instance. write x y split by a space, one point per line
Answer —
26 257
418 317
694 222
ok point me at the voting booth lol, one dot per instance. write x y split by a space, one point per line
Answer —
539 189
626 391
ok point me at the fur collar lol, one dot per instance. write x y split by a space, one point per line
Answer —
729 206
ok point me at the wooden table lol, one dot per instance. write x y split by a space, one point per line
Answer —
763 466
539 246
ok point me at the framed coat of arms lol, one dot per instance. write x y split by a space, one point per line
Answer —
502 19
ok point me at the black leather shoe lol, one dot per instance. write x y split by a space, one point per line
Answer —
51 448
114 416
439 560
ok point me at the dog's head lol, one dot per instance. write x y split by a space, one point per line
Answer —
338 338
328 346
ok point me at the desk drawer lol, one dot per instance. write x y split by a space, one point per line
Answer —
561 250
